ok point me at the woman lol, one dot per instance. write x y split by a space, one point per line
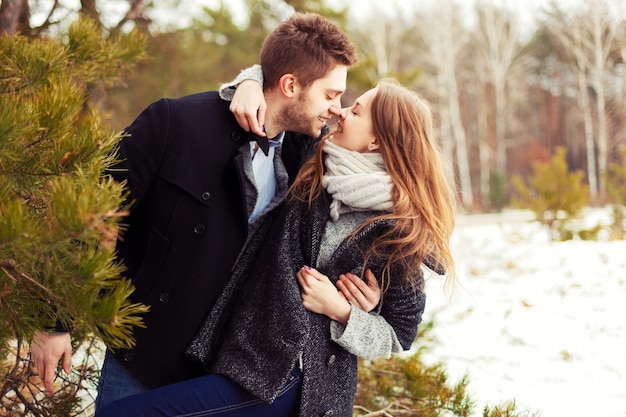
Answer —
375 196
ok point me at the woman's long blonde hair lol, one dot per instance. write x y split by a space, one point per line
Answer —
424 203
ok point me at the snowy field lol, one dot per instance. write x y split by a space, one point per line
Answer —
538 322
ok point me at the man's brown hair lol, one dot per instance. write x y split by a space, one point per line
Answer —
306 45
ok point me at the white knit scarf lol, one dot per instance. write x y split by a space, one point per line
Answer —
356 181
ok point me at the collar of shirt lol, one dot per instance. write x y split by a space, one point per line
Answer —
273 142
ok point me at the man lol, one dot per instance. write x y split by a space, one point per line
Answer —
199 185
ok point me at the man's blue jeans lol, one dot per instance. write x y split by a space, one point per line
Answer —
116 382
211 395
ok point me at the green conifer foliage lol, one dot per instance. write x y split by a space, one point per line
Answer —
405 386
59 213
554 194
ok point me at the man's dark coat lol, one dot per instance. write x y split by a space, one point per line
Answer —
187 224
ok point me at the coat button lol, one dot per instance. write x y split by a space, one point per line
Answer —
235 136
164 297
206 195
199 229
331 359
129 357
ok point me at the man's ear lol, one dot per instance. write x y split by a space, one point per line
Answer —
288 84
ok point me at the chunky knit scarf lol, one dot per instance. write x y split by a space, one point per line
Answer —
356 181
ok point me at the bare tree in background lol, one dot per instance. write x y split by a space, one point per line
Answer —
589 37
443 36
570 33
603 38
382 38
388 47
15 16
621 70
497 45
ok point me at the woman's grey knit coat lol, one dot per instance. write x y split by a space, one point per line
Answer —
259 330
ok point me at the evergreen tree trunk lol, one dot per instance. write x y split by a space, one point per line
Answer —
89 8
13 16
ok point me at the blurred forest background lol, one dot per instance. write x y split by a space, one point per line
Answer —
530 110
508 88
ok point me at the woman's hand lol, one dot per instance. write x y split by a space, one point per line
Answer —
319 295
249 106
364 295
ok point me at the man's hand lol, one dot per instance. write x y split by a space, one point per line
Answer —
249 107
366 296
46 350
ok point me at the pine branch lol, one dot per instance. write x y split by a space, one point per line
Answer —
10 265
379 413
11 375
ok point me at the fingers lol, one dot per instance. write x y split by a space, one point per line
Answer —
67 361
372 291
47 376
349 285
250 120
372 282
241 117
257 124
365 296
314 273
246 117
310 279
47 349
254 124
249 106
47 372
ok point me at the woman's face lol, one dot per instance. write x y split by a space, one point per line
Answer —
355 131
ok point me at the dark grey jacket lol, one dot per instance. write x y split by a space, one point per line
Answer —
258 328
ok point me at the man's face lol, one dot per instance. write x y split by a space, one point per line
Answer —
314 106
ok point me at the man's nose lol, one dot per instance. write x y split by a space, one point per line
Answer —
338 111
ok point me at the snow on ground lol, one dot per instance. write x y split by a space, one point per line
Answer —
539 322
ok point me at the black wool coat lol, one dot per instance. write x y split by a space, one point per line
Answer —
183 168
259 328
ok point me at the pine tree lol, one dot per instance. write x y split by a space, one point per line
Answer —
554 194
59 213
405 386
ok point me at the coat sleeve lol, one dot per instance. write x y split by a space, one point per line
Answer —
366 335
392 330
227 90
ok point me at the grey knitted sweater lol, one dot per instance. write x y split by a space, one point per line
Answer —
258 329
